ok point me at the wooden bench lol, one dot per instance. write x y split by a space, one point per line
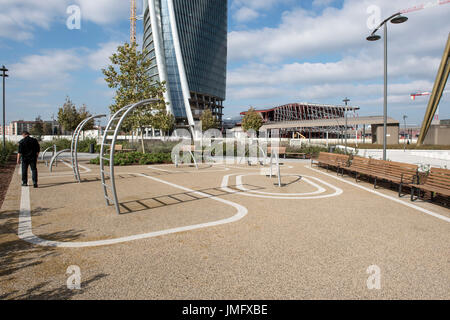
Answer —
403 174
119 148
335 160
297 154
279 150
437 182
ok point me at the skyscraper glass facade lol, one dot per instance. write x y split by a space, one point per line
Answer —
187 44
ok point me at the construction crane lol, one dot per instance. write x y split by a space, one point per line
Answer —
133 22
133 18
420 94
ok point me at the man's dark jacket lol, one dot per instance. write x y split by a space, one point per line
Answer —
29 148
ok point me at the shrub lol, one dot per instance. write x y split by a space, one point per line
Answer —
6 152
61 144
133 158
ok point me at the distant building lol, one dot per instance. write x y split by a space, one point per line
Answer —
16 128
186 42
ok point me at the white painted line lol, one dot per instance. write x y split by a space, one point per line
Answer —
408 204
25 230
225 182
68 164
187 171
319 189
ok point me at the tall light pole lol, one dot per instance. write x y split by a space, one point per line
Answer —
395 19
4 76
346 101
405 134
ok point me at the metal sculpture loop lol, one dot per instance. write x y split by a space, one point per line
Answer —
74 144
113 128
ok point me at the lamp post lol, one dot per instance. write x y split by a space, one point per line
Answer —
405 134
395 19
4 76
346 100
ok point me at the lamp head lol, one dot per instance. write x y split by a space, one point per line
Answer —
399 19
373 37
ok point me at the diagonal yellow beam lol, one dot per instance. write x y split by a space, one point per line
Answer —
436 95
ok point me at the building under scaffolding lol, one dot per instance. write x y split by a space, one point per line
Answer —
300 112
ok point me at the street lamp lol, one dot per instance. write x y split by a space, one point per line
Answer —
346 100
405 134
4 76
395 19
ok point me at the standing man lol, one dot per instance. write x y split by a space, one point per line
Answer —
29 151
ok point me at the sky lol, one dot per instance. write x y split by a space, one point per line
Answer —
279 51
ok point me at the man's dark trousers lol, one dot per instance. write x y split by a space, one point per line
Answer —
34 174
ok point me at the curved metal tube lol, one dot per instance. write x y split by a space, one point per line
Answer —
74 145
45 151
123 113
55 157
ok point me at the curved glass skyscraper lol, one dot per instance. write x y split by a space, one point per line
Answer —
186 41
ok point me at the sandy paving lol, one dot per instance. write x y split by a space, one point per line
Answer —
311 248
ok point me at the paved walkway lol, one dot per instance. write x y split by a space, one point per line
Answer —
222 232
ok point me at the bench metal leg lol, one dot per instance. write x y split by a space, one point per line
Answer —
400 190
375 183
412 193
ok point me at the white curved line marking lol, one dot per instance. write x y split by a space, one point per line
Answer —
190 171
319 190
225 181
25 230
431 213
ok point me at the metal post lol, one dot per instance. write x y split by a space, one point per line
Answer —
404 134
346 100
4 76
385 94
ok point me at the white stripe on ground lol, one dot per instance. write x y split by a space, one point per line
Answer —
86 169
319 189
225 182
408 204
25 230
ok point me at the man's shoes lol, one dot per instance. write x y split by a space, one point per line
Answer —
24 184
35 185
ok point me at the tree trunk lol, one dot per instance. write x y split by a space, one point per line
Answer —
142 140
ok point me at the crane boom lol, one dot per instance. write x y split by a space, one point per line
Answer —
133 22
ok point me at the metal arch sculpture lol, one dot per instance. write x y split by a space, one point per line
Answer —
55 157
45 152
74 145
113 126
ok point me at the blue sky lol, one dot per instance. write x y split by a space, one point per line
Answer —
280 51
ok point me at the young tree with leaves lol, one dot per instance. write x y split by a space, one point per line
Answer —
164 121
252 120
38 128
69 117
128 74
208 121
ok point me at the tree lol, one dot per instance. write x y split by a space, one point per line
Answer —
69 117
164 121
48 129
38 128
128 74
83 113
208 121
252 120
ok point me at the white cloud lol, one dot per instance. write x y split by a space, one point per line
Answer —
51 67
104 11
303 34
20 19
99 59
245 14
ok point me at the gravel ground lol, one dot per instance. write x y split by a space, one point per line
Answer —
316 248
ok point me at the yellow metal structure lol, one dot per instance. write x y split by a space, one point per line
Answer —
133 22
436 95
